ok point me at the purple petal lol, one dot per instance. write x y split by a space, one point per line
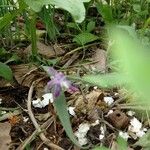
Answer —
72 89
52 71
56 90
50 84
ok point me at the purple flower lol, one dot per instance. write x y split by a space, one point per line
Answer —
58 83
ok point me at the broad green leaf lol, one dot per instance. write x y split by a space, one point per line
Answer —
105 80
5 71
84 38
74 7
135 61
144 141
105 11
61 108
90 26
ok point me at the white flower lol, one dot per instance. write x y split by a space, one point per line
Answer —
109 112
81 133
71 111
135 126
140 133
130 113
102 135
95 123
25 119
108 100
47 98
124 135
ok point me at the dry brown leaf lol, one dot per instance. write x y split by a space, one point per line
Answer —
46 51
101 60
91 98
5 138
25 74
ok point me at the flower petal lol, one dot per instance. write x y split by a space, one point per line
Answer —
56 90
52 71
72 89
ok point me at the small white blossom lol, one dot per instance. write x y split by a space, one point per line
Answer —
102 135
47 98
95 87
130 113
124 135
81 133
25 119
95 123
140 133
71 111
108 100
109 112
135 126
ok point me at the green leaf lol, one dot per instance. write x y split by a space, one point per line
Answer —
105 11
8 17
90 26
101 148
5 71
144 141
61 108
134 61
122 144
72 25
105 80
85 38
75 8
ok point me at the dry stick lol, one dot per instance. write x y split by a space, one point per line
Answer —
45 140
31 137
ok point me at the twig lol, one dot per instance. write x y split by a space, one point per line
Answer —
45 140
31 138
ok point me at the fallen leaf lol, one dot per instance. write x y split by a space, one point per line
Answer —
46 51
5 138
100 60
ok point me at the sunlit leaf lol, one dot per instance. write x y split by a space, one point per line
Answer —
135 61
105 80
74 7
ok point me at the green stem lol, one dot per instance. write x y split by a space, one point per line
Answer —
33 34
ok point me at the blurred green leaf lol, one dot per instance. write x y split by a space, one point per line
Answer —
61 108
144 141
90 26
75 8
101 148
84 38
105 80
5 71
134 61
122 144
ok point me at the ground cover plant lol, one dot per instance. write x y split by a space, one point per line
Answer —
74 74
